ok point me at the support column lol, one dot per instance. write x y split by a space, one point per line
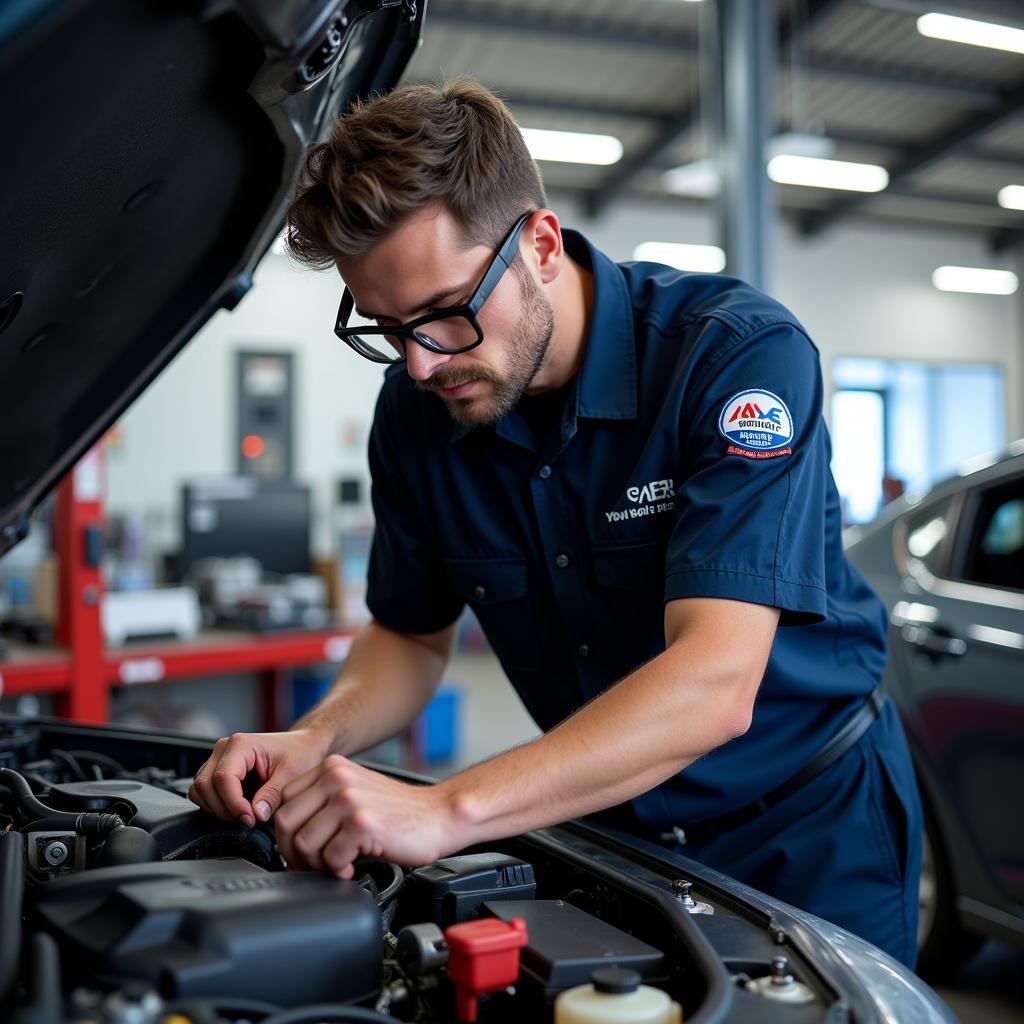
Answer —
745 55
79 542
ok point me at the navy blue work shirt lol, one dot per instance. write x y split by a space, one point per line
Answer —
690 460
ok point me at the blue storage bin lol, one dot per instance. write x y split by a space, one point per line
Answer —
437 728
308 688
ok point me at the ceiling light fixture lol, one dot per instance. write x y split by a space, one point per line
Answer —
572 147
974 33
978 280
814 172
701 179
1012 197
706 259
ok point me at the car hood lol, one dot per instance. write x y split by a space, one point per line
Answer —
150 150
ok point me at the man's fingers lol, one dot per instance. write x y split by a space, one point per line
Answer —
310 840
268 797
341 851
203 792
292 817
218 784
307 779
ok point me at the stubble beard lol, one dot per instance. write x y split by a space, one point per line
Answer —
528 346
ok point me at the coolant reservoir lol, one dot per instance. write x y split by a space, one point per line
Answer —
616 997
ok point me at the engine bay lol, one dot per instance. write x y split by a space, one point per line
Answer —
122 902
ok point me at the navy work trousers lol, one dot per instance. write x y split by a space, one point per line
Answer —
846 846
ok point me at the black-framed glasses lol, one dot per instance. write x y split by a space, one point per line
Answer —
447 331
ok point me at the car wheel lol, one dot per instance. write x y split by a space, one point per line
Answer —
942 942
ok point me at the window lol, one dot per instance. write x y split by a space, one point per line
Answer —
995 553
900 426
926 535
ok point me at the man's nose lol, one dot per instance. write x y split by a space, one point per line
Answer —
421 362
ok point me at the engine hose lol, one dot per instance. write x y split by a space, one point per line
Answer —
222 1007
27 801
334 1013
86 823
12 889
45 1003
35 810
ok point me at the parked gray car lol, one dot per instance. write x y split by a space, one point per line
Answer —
950 568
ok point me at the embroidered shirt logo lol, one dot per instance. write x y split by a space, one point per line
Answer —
647 500
757 424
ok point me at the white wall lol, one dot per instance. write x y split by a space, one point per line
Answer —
860 290
864 290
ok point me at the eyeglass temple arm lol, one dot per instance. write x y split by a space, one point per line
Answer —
506 257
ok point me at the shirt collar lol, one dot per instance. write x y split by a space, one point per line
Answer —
606 385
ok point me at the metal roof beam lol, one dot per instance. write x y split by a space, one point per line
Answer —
920 158
675 42
672 130
966 94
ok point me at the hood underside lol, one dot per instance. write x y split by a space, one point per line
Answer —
150 149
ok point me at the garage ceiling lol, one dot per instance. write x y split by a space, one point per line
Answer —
945 119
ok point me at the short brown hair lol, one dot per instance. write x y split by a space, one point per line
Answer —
454 144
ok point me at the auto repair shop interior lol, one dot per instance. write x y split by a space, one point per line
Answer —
188 519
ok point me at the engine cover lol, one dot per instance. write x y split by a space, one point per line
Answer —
218 927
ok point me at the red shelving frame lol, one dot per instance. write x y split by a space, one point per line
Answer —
82 672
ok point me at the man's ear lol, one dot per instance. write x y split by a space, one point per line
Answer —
543 237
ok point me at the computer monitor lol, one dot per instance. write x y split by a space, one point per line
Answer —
266 519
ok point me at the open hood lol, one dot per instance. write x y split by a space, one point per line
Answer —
150 147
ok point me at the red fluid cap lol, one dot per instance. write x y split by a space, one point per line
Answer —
483 956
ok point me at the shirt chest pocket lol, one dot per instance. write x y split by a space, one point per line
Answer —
631 588
497 591
632 567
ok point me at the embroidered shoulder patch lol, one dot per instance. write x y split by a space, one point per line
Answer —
757 425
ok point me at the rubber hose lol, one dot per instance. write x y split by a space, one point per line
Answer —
12 892
82 823
336 1013
44 1006
37 811
22 791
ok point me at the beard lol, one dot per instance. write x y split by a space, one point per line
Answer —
528 344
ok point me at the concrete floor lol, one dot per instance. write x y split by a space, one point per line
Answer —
987 990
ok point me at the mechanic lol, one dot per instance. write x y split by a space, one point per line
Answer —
624 471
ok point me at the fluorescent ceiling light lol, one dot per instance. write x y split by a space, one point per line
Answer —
817 173
572 147
1012 197
708 259
699 179
975 279
974 33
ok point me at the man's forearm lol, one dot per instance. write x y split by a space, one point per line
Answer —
686 702
385 682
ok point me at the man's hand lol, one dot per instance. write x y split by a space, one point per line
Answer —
277 757
340 810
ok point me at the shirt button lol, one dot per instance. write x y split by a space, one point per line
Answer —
479 591
561 561
583 651
545 472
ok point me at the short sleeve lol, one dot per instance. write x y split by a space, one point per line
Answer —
751 505
406 586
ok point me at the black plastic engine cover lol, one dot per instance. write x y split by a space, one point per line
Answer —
218 928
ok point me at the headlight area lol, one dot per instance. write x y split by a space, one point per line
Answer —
123 903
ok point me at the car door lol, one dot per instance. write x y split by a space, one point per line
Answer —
960 650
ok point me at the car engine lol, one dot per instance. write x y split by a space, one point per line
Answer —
121 902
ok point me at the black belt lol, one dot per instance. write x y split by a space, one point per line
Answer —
838 745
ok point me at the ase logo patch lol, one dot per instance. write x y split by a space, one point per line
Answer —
757 424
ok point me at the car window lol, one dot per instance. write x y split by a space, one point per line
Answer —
995 555
928 530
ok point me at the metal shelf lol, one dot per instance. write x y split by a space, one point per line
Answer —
81 672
